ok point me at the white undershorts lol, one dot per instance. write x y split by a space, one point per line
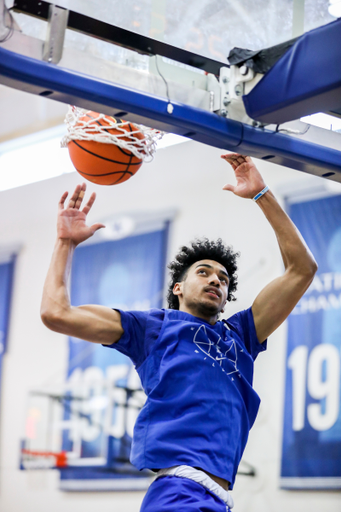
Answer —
201 478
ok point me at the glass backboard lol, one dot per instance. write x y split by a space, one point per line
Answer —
205 27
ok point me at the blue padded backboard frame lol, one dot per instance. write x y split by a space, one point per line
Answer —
64 85
305 80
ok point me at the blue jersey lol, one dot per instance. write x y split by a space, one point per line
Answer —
198 381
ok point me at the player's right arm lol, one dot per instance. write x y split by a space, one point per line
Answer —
95 323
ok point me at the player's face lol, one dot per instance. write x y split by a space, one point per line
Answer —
204 290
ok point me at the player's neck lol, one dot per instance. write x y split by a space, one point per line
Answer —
198 313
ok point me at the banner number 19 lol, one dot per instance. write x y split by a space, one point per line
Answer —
321 373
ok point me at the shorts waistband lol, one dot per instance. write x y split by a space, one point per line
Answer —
201 478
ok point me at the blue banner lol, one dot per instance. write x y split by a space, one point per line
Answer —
311 456
6 278
103 391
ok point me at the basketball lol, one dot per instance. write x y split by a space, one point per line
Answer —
103 163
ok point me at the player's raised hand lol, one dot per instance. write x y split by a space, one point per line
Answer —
249 179
71 223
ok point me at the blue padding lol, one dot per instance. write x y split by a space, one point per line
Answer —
67 86
306 79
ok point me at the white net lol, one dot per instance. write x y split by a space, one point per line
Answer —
86 125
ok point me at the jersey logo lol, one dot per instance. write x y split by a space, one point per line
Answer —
212 349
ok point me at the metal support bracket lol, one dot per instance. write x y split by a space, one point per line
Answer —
57 24
224 82
239 77
7 22
213 88
235 82
3 27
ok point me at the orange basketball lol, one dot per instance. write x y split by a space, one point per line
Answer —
101 163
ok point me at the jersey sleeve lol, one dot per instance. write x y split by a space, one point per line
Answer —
141 329
243 323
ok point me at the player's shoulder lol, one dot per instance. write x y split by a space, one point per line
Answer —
239 321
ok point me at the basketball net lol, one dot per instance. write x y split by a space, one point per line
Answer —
79 128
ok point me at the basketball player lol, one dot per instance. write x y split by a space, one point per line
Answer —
196 370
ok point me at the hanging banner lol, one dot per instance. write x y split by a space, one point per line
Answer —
6 278
103 393
311 456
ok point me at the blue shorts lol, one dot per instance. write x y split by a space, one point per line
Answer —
172 493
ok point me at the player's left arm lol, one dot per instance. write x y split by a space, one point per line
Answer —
275 302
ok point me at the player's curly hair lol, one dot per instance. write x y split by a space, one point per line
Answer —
203 249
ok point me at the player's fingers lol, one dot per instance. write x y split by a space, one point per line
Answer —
80 197
232 161
232 156
236 158
238 161
89 204
74 197
62 201
229 156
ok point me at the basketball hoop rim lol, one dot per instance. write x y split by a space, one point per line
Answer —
60 457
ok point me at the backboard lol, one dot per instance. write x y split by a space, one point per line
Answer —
204 27
87 422
164 64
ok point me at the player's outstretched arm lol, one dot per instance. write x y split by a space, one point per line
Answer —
94 323
275 302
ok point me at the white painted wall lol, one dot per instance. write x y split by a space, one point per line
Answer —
188 178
